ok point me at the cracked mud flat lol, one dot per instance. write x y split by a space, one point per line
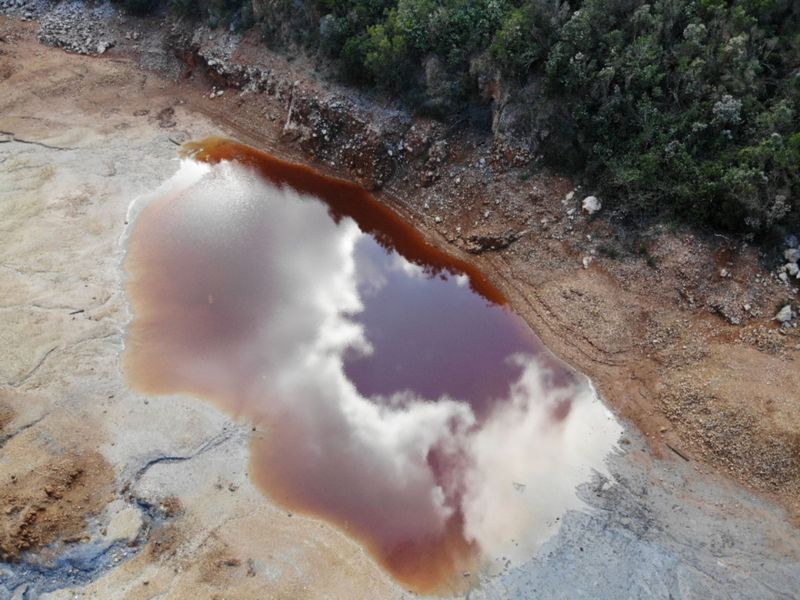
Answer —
113 494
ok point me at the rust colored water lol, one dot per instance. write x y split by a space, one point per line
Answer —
398 397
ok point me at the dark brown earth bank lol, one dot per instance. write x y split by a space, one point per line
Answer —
676 329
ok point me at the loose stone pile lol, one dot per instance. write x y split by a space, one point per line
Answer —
24 9
77 28
789 271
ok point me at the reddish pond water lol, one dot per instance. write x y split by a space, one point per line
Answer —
399 398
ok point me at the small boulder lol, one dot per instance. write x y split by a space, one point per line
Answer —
125 525
792 269
785 314
792 254
792 241
591 204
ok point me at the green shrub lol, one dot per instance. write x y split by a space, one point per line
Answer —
139 7
685 109
521 41
189 9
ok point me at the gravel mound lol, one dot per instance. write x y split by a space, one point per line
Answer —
78 28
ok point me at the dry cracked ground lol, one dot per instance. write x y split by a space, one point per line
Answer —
107 493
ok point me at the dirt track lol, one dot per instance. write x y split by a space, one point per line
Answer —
651 327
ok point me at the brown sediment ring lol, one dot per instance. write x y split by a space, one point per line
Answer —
345 199
433 562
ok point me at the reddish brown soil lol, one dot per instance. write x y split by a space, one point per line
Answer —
52 502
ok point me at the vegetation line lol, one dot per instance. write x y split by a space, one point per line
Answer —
685 110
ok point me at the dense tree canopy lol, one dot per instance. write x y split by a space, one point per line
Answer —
685 109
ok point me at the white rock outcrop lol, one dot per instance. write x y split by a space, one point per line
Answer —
591 204
785 314
792 254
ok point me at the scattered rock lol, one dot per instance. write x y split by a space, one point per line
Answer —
792 254
785 314
125 525
587 260
251 567
591 204
480 242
